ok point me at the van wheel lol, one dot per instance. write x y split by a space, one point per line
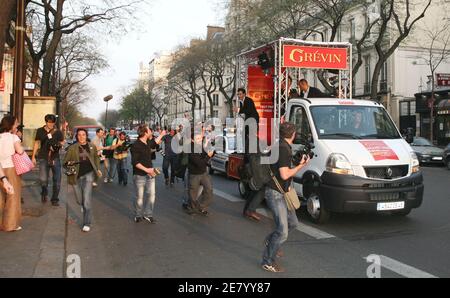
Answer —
317 214
402 213
243 189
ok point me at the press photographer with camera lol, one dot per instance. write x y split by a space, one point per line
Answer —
285 219
121 147
144 174
48 143
82 165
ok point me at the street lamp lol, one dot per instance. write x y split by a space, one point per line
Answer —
107 99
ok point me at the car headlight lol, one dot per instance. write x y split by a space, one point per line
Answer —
339 164
415 164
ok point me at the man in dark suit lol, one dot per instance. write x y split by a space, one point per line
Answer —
246 106
307 91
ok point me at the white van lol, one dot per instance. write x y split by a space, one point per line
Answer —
361 162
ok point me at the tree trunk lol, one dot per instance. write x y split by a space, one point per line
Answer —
6 14
375 78
432 109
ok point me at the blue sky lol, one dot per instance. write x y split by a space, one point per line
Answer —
166 24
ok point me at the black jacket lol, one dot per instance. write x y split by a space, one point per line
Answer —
313 93
249 109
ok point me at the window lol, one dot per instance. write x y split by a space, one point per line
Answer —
383 77
352 30
215 114
300 119
216 100
367 74
325 35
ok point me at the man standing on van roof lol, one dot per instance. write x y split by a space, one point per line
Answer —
307 91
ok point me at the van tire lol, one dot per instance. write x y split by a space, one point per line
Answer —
316 212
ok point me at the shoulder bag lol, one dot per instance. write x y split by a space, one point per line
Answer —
291 197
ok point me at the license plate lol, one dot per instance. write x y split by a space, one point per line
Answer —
391 206
437 158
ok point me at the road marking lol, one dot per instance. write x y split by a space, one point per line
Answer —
308 230
402 269
227 197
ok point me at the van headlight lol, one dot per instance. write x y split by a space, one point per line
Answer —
415 164
339 164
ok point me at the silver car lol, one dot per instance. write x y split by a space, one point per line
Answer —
219 162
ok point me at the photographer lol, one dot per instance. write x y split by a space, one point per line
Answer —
121 146
49 141
285 220
198 175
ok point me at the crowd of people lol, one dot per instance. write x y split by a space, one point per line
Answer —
83 160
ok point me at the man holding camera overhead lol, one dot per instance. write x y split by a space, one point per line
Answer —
48 142
121 147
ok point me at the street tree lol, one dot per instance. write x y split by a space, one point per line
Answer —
114 117
389 37
136 106
52 20
437 39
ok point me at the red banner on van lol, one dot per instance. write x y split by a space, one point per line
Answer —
315 57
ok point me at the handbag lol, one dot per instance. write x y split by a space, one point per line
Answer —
22 163
291 197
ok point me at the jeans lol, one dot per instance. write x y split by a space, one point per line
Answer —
285 221
44 172
254 200
170 161
122 170
145 195
195 183
186 188
111 169
83 190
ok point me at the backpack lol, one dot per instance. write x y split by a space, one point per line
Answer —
259 174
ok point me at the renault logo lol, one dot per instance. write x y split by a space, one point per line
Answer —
389 173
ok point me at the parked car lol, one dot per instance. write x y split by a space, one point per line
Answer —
446 156
220 160
427 152
132 135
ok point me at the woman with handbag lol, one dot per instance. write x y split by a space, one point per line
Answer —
10 203
82 165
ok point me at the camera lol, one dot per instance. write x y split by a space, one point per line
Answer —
54 146
307 150
157 171
124 147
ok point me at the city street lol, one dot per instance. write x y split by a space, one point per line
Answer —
225 244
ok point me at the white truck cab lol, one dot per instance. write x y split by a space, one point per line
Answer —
361 162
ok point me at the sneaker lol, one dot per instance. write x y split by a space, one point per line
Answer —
274 268
150 219
94 184
106 180
86 229
204 212
55 204
137 219
18 229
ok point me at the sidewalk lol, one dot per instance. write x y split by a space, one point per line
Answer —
38 250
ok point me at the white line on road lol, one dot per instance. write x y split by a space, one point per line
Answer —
227 196
402 269
308 230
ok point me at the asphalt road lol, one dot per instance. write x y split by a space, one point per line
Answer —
227 245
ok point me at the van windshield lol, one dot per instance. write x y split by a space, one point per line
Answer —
353 122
